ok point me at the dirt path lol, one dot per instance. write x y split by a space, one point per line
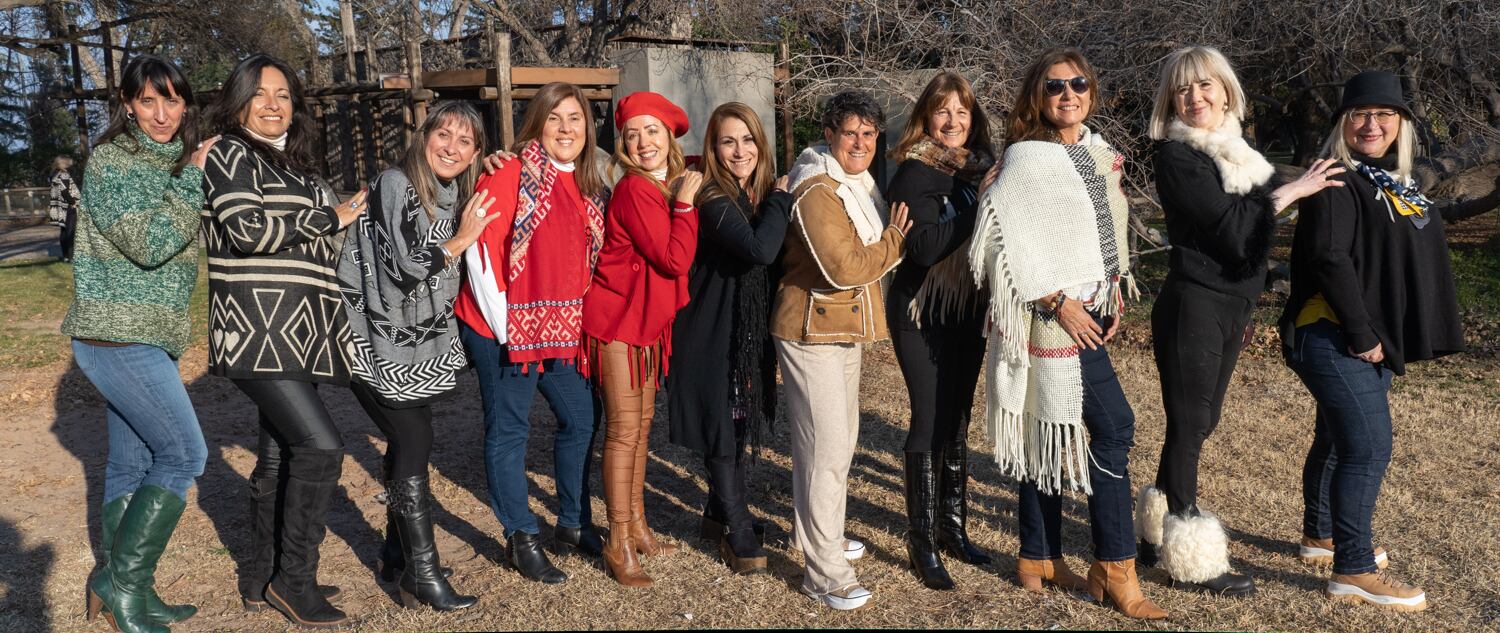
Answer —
1435 516
29 243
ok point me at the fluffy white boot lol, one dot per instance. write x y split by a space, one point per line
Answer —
1194 548
1150 511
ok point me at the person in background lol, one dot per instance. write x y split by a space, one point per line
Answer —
640 284
1372 290
1221 209
521 319
399 277
136 265
275 325
937 316
722 396
828 307
62 209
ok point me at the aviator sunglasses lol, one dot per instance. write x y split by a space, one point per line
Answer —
1054 87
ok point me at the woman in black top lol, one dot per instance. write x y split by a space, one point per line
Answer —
936 316
1372 290
1220 210
276 325
722 391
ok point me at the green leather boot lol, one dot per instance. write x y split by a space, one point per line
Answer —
122 588
157 610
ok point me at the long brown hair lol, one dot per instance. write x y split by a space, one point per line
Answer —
1026 122
942 86
719 181
234 101
547 98
414 162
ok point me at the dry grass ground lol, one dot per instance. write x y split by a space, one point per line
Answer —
1436 513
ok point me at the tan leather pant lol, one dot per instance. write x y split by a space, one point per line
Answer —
628 409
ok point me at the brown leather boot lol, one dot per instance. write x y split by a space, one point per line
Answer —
1032 573
619 556
1117 580
640 533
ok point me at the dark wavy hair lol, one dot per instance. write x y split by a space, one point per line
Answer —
225 116
850 103
166 79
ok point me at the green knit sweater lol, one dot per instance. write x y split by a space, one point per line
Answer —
135 259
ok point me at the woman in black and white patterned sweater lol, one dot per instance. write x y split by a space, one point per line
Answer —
277 328
399 281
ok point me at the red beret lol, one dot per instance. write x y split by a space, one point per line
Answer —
644 102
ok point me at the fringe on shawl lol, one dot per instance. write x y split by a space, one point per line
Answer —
946 290
1009 315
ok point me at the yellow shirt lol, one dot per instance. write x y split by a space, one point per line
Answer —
1315 309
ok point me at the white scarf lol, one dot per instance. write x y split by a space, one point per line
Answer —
279 142
1241 168
1055 218
862 199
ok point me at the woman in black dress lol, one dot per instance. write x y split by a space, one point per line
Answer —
723 388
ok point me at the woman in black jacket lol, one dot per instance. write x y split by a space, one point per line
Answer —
723 386
1372 290
937 315
1220 212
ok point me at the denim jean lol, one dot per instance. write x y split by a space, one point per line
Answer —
1111 426
154 437
1351 443
508 390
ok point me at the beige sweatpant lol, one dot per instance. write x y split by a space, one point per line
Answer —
822 401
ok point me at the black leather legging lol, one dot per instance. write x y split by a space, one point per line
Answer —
292 416
407 431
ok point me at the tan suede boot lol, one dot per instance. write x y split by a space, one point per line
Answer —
1032 573
619 556
1319 551
1376 588
1117 581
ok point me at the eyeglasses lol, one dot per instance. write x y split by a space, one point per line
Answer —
1361 117
1054 87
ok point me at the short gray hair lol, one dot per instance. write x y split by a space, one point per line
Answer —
854 103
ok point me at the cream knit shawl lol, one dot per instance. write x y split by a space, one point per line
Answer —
1055 218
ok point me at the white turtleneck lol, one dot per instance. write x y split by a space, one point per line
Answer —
279 142
660 174
568 167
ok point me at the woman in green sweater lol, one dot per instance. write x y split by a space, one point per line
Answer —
135 263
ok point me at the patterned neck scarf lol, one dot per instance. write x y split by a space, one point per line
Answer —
1406 199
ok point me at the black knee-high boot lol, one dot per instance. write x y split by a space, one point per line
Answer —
921 515
312 478
953 506
422 580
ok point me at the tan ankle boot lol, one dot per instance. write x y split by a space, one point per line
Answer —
619 556
1377 588
1117 581
1319 551
1032 573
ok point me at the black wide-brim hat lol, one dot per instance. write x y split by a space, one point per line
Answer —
1373 88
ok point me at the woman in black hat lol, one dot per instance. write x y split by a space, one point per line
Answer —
1372 290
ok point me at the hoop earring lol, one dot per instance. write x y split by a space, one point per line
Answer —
130 115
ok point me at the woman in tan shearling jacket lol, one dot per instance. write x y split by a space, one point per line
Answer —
827 306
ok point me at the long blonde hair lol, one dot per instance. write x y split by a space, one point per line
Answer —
1187 65
942 86
1408 148
621 160
718 180
414 162
539 108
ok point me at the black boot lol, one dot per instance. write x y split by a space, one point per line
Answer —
953 506
1145 554
921 509
1195 554
580 540
421 579
527 556
392 561
312 478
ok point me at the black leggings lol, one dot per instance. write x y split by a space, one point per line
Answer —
1196 334
728 497
408 432
292 416
941 367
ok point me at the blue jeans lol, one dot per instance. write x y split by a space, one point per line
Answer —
1351 443
154 438
508 390
1111 425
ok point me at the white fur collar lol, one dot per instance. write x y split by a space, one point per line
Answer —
862 200
1240 167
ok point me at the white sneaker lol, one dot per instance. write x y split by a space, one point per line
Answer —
845 599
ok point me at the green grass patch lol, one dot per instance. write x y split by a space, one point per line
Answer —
34 298
1477 273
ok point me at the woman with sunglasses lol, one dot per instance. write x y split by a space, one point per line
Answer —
1372 290
1220 211
1051 244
